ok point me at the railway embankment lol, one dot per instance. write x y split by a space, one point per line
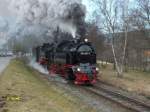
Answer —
23 90
134 82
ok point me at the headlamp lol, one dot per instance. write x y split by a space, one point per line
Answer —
78 69
86 40
97 69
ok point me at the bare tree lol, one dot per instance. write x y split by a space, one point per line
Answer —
140 15
144 8
140 18
113 21
125 19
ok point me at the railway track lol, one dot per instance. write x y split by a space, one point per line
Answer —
128 102
103 90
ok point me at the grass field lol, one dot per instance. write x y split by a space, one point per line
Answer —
25 91
133 81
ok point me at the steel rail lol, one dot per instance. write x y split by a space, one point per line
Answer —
119 98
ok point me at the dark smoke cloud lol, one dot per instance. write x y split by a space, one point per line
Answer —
48 15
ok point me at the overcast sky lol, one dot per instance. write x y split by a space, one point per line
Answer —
4 8
6 13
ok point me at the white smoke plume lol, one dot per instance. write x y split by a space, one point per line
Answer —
51 77
38 67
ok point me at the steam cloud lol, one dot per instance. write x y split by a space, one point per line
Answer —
51 77
45 20
41 18
38 67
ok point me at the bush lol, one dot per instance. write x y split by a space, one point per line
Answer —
104 66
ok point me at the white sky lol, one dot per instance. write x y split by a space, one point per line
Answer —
4 8
5 12
90 7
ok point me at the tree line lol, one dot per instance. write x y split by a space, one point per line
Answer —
121 33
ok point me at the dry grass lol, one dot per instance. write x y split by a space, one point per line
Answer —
133 81
34 93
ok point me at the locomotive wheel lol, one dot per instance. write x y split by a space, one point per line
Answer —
70 75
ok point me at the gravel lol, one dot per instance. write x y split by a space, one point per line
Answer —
98 103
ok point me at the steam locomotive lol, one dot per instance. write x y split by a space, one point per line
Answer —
73 60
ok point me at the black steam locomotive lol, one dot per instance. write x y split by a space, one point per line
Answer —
74 60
